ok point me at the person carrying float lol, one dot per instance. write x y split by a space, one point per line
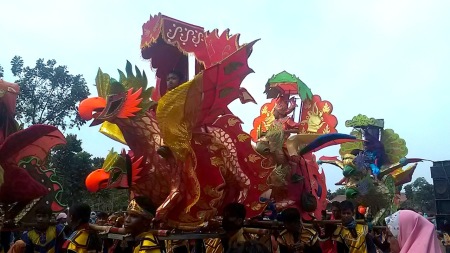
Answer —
83 239
43 238
140 213
350 236
296 238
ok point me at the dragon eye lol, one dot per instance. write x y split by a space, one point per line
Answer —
115 175
113 105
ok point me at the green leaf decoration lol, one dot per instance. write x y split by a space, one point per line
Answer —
285 77
346 148
108 86
130 80
363 121
102 83
115 87
394 146
114 160
303 90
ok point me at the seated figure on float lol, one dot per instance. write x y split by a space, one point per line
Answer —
289 145
173 80
281 112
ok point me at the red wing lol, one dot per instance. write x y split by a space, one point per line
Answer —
222 85
37 140
34 141
19 186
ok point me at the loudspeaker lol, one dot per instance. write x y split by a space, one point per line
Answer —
440 173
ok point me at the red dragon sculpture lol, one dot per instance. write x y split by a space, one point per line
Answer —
214 162
26 181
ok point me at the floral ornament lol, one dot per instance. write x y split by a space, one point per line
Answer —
392 223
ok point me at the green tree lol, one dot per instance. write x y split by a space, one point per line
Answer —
332 195
420 196
1 71
48 94
72 166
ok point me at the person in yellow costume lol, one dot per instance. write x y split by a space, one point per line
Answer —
140 213
296 238
43 238
233 223
350 236
83 239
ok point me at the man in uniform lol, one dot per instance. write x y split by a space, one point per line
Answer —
296 238
140 213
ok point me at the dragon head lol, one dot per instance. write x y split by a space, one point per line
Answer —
119 171
121 99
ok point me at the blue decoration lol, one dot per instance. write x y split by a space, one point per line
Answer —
375 169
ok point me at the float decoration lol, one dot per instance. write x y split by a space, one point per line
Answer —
285 83
23 152
373 170
296 180
213 160
166 41
317 117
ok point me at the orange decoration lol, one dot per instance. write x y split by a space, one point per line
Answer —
362 209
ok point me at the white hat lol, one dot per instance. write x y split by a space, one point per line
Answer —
61 216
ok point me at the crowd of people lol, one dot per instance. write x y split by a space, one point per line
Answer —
80 230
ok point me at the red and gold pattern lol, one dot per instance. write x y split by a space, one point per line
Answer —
264 120
209 48
317 118
165 41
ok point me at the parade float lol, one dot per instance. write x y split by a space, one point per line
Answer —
25 180
374 171
207 161
211 161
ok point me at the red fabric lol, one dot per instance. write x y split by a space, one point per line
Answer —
19 186
328 246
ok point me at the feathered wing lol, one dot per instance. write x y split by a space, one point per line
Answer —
35 141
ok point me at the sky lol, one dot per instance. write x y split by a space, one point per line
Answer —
386 59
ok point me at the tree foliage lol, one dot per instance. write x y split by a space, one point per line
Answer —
332 195
420 196
48 94
1 71
72 166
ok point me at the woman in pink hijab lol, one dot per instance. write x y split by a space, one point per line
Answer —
409 232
